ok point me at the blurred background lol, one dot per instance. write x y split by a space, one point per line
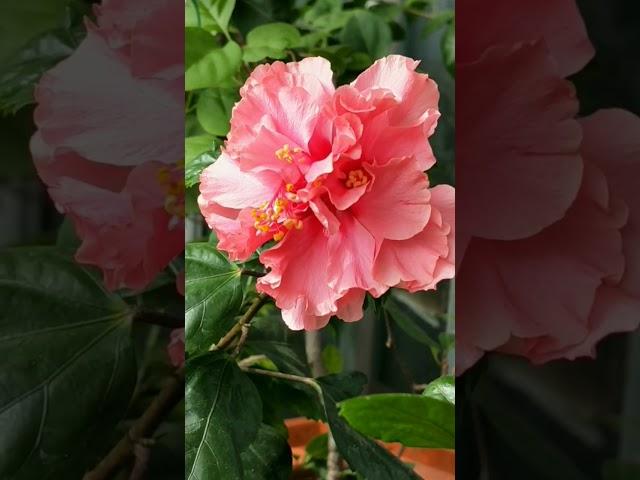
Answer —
565 419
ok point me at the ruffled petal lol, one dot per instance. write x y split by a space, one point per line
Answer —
397 206
225 184
422 261
416 94
519 165
93 115
299 279
505 22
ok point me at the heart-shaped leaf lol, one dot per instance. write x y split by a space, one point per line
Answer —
413 420
268 457
367 32
207 64
223 414
68 364
214 110
213 296
364 455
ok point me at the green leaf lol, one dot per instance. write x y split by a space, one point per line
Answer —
318 448
413 420
196 15
448 47
213 296
443 388
67 239
269 336
214 110
22 69
211 15
325 16
68 364
223 414
22 22
341 386
409 323
206 64
440 20
196 146
366 32
270 41
332 359
194 168
268 457
286 400
364 455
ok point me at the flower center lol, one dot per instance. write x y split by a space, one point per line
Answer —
286 153
276 218
356 178
171 180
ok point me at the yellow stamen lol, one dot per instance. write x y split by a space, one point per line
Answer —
289 187
284 154
278 236
357 178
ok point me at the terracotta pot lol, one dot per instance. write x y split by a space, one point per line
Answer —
428 464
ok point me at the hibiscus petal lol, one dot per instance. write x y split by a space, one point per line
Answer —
519 166
350 306
417 95
397 206
93 114
225 184
298 279
558 22
234 229
420 262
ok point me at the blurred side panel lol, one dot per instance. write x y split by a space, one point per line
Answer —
548 274
91 240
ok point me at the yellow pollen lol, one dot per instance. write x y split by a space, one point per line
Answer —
357 178
278 236
284 153
289 187
170 179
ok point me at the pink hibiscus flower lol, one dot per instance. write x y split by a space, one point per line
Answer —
335 178
104 148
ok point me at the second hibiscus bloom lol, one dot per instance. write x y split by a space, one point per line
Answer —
334 179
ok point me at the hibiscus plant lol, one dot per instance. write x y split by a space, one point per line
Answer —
309 211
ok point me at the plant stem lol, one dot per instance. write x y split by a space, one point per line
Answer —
285 376
313 347
162 405
244 320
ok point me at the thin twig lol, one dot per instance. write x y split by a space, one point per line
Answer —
245 319
251 360
243 338
143 428
285 376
